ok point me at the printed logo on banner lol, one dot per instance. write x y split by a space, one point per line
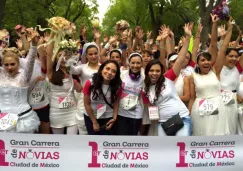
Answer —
3 153
119 155
29 154
206 154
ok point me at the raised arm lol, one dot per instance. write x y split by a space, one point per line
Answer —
192 93
214 37
162 37
107 48
182 54
49 62
236 43
42 55
32 53
196 42
221 56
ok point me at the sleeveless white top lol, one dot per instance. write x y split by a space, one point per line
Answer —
206 86
38 94
179 85
229 78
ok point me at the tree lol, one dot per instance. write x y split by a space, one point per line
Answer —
174 13
2 11
206 8
31 13
151 14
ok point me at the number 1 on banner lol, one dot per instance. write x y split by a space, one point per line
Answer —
2 154
182 153
95 153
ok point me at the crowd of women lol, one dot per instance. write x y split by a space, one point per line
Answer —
123 85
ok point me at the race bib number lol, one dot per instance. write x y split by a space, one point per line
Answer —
65 103
101 109
37 95
228 97
153 113
8 121
208 107
129 101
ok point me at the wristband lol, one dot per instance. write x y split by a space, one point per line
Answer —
107 46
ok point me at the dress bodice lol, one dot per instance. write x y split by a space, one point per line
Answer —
206 86
14 99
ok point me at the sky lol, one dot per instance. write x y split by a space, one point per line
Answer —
103 6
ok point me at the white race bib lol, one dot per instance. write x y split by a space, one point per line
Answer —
153 113
228 97
65 103
8 121
37 95
208 107
101 109
129 102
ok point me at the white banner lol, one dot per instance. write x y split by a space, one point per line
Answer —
27 152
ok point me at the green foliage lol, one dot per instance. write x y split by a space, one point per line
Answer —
236 8
174 13
35 12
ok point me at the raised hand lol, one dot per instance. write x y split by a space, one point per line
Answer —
148 34
188 29
163 34
214 18
222 31
113 39
164 28
97 34
19 43
140 34
33 35
105 38
171 34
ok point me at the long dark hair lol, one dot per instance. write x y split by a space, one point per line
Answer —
160 84
206 55
97 79
57 76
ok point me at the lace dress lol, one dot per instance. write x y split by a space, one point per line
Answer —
13 96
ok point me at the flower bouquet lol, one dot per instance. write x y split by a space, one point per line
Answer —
60 24
95 23
222 11
121 26
69 47
60 28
